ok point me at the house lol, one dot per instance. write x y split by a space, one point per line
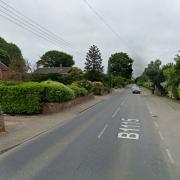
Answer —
4 71
47 70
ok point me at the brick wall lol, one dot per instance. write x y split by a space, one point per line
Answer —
49 108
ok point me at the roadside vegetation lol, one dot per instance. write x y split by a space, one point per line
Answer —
162 79
24 91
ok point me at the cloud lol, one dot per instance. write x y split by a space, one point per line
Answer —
147 29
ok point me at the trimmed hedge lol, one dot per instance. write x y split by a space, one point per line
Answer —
21 99
27 98
78 91
56 92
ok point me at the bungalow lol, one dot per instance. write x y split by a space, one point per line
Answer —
47 70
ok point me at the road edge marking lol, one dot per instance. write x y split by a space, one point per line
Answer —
170 156
103 130
161 136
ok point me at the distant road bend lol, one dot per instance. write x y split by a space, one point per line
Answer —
113 140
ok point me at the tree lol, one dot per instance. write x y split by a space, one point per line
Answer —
120 64
13 50
93 65
155 74
56 59
4 57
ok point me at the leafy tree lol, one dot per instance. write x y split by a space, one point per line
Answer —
120 64
4 57
13 50
93 65
155 74
55 59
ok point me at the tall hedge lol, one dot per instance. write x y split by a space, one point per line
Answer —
27 98
21 99
56 92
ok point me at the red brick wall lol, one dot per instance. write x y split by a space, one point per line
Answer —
49 108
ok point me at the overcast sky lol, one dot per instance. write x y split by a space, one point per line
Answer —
147 29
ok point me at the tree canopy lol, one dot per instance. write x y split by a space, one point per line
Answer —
55 59
93 65
120 64
11 49
4 57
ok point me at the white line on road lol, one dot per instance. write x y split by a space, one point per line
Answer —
115 113
102 132
170 156
156 124
161 136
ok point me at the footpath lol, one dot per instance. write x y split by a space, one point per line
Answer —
165 113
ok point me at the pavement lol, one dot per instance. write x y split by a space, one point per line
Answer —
166 116
116 139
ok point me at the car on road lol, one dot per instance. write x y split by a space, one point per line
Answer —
136 90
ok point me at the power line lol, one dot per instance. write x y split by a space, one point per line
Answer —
16 17
103 20
31 22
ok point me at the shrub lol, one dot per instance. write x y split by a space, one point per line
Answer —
56 92
98 88
118 82
78 91
21 99
85 84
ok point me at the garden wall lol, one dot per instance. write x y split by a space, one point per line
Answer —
49 108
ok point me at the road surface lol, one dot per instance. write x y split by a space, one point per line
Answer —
113 140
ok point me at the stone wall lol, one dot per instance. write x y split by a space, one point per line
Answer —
49 108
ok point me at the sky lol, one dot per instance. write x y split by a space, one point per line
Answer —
145 29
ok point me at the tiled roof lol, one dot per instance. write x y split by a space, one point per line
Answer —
52 70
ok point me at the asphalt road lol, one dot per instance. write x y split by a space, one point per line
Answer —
113 140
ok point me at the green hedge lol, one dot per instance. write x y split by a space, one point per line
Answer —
27 98
78 91
21 99
56 92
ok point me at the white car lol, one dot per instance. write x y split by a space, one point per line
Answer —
136 90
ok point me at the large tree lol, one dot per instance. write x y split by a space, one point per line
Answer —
120 64
4 57
55 59
13 50
93 65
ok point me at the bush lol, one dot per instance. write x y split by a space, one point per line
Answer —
21 99
85 84
78 91
98 88
118 82
56 92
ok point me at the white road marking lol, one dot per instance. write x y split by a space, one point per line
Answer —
156 124
170 156
115 113
124 135
161 136
102 132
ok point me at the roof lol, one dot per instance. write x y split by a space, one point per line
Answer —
52 70
3 67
